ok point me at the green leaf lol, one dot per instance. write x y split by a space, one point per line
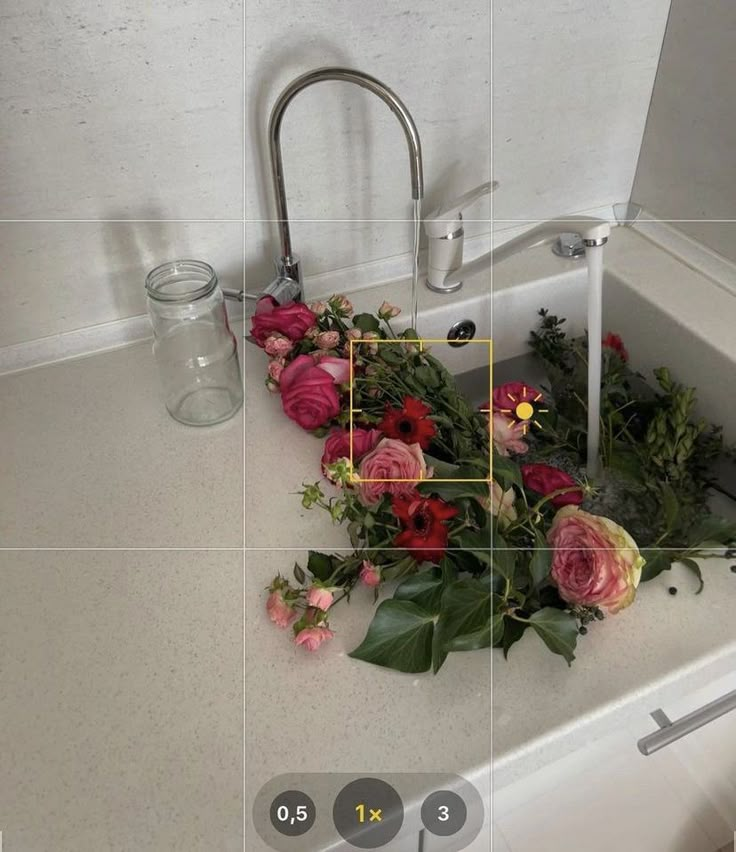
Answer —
558 630
455 490
427 376
670 505
472 641
399 637
512 632
656 562
497 627
541 561
503 559
505 471
442 469
693 566
466 608
366 322
424 589
319 565
712 529
478 542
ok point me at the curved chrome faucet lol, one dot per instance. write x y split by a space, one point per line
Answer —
288 283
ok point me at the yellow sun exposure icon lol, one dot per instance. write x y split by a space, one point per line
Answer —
524 409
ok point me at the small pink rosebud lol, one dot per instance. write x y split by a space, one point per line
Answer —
272 386
388 311
312 637
327 339
279 611
370 574
320 598
318 308
277 346
354 334
311 333
275 369
341 305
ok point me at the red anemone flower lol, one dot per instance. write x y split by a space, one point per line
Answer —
409 424
614 342
425 535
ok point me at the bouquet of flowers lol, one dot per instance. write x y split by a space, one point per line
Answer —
481 528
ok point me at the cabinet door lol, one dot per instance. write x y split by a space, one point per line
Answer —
709 753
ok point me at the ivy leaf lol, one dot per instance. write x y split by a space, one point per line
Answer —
399 637
497 627
472 641
455 490
366 322
505 471
424 589
541 561
512 631
466 608
503 559
714 529
478 542
558 630
693 566
656 562
319 565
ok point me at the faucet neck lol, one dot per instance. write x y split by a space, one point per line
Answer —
347 75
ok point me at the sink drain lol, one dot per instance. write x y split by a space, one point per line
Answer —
461 333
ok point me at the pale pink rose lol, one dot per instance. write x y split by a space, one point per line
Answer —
318 308
508 436
371 348
354 334
370 575
311 333
278 346
341 305
279 611
275 369
312 637
388 311
337 445
392 460
595 561
502 505
320 598
327 339
272 386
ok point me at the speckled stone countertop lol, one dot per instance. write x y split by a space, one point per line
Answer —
125 652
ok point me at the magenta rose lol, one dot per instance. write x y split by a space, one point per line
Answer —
292 319
544 479
507 397
595 561
337 445
308 393
390 460
338 368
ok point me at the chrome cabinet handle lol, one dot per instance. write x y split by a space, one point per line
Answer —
670 731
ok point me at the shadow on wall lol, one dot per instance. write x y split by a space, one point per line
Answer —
132 247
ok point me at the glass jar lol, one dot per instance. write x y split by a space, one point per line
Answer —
196 352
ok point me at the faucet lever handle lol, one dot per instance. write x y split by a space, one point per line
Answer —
448 218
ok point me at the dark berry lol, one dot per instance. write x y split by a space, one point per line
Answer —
672 590
582 630
733 569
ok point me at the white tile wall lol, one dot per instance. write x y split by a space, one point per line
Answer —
137 111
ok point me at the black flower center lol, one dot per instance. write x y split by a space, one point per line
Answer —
420 521
405 427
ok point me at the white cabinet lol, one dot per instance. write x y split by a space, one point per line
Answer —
609 797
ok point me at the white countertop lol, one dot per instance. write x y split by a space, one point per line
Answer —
92 460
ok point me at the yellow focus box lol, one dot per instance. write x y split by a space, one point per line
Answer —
420 343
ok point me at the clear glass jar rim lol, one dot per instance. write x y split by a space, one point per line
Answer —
169 272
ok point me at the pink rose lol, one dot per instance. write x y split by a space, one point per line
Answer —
318 308
279 611
338 368
370 575
337 445
275 369
308 393
544 479
595 561
392 460
278 346
292 319
312 637
507 397
327 339
320 597
508 436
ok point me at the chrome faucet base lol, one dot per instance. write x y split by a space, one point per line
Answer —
447 287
